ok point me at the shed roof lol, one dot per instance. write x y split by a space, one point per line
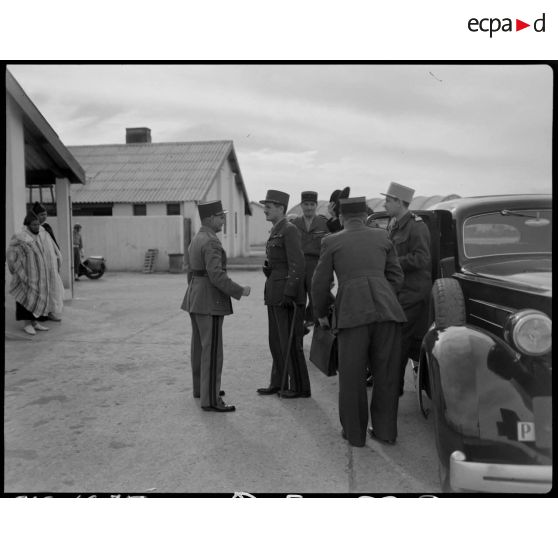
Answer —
153 172
46 157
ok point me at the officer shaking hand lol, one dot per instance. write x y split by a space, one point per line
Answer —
208 301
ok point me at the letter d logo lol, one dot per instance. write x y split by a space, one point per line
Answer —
536 24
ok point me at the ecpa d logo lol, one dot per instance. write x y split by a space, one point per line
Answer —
492 25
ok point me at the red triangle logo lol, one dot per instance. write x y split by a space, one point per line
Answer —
519 25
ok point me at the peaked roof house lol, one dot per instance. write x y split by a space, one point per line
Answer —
145 179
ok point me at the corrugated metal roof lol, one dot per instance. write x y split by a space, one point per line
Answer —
150 172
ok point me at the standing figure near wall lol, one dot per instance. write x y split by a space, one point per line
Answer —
36 284
78 249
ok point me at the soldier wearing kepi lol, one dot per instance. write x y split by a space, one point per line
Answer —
411 238
208 300
368 318
285 299
312 228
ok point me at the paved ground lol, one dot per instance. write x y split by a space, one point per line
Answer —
103 403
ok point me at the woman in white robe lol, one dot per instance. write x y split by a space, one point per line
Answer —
53 259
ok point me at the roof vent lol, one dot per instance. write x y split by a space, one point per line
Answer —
138 135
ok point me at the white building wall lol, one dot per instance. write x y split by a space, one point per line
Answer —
228 203
224 188
189 209
123 241
156 209
122 210
15 170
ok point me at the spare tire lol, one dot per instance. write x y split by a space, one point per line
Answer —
447 303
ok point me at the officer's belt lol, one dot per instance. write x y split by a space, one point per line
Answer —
279 267
199 272
348 277
312 256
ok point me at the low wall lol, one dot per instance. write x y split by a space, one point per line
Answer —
123 241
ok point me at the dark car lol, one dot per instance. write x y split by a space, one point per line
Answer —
485 370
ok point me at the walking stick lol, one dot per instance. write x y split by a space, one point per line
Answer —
287 352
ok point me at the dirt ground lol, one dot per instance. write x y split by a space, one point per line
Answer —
102 402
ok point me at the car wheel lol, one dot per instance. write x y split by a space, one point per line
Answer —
447 303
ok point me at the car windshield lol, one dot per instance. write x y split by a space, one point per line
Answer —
518 231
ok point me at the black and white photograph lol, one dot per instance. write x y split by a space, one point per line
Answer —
255 279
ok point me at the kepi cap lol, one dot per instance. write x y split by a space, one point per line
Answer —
207 209
276 196
309 196
400 192
352 206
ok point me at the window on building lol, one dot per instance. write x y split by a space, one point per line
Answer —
140 209
235 222
173 209
92 209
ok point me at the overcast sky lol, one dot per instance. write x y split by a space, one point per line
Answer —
440 129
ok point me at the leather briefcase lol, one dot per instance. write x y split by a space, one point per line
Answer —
323 350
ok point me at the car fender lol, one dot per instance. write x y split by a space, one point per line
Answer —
477 382
452 355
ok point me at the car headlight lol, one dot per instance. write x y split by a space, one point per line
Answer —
530 332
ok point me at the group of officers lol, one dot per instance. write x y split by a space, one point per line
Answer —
383 279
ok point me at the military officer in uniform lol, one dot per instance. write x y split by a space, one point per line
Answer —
312 228
368 318
411 238
208 300
285 299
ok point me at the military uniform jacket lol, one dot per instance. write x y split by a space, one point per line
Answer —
411 238
209 294
368 276
286 261
311 239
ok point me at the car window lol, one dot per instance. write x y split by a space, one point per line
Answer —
508 232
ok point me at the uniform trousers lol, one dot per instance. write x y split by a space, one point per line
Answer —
380 343
412 329
279 322
206 352
310 264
